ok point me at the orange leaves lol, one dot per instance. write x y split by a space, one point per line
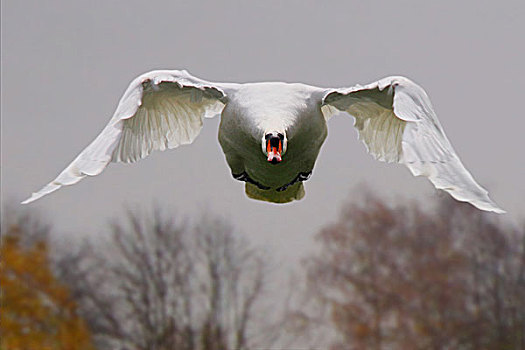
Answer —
37 310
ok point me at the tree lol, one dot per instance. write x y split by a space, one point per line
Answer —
398 277
37 310
156 284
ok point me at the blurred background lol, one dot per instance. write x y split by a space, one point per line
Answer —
66 64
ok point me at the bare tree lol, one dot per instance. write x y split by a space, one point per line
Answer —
157 284
398 277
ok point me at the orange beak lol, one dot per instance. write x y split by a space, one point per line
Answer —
274 153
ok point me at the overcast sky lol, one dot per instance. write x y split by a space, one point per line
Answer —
65 65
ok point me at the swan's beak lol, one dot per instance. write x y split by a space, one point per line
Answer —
274 148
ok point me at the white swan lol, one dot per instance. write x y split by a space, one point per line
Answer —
271 133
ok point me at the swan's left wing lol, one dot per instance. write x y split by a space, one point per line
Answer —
159 110
396 122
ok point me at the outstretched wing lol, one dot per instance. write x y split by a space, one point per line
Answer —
159 110
396 122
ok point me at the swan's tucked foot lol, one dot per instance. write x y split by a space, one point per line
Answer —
246 178
299 178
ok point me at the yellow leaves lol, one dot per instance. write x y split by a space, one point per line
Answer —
37 310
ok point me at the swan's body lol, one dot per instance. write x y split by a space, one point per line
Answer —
262 107
271 133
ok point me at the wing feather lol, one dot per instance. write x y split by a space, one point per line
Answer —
159 110
396 122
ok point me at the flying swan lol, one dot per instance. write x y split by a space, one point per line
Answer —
271 133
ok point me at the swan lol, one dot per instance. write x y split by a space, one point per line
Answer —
271 132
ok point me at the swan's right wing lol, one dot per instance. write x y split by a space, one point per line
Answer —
397 123
159 110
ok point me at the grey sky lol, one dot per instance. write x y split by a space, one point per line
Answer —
65 64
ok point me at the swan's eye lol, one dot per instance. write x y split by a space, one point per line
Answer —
281 136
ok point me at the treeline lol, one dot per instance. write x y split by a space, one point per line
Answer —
384 277
400 277
155 283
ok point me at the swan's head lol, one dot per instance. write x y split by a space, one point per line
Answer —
274 145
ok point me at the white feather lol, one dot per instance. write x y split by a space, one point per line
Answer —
159 110
397 123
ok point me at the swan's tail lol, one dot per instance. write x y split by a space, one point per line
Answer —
294 192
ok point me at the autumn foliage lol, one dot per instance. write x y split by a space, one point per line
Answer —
384 277
400 277
37 311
